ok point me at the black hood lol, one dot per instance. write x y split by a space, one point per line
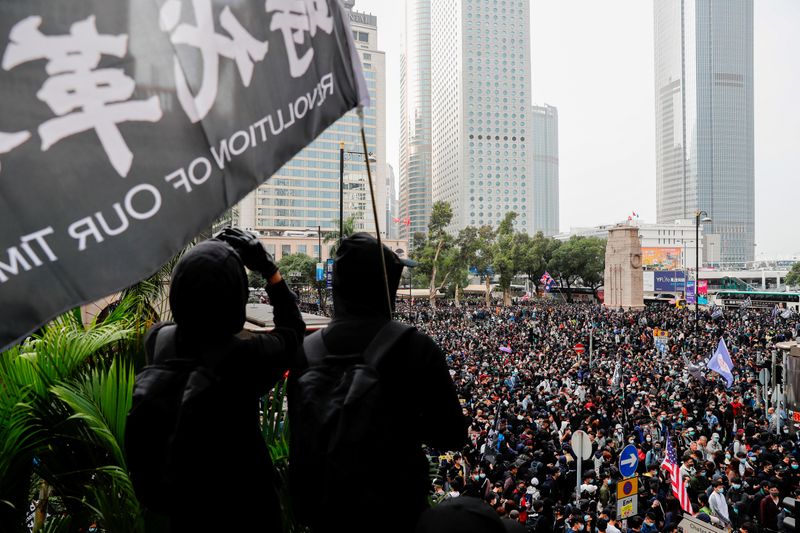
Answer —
358 285
209 291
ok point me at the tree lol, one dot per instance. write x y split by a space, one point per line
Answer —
298 268
256 280
65 396
594 263
507 254
579 260
537 253
484 245
348 228
433 252
466 247
793 277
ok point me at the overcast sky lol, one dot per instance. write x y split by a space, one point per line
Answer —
594 61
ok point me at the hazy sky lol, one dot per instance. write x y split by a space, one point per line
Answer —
594 61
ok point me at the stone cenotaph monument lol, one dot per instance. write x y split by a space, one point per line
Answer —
624 284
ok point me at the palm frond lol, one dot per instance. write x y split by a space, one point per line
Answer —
17 435
102 399
275 425
60 352
114 502
57 524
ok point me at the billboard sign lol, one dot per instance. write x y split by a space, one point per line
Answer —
702 287
661 258
690 296
669 280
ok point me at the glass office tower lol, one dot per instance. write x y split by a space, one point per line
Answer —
704 119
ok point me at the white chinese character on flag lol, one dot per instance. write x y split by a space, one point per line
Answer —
240 46
9 141
82 96
294 18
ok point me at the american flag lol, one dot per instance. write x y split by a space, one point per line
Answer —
673 466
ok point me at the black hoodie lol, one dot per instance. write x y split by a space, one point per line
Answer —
224 465
425 407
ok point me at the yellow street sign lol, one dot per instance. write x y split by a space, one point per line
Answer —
627 487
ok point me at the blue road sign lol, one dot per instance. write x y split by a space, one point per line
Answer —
628 460
329 273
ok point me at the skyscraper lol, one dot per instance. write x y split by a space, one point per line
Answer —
481 106
704 118
415 125
304 193
392 205
544 120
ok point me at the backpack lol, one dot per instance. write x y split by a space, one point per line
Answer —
340 425
164 394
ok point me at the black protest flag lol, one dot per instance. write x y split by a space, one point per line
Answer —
128 127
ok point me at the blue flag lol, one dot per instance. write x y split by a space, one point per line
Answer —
721 363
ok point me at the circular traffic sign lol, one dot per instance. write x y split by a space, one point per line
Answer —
579 348
628 460
627 488
581 444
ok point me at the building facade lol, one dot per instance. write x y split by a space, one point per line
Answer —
704 118
308 243
304 193
392 205
481 106
544 139
415 119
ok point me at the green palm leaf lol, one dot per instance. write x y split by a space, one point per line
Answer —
102 400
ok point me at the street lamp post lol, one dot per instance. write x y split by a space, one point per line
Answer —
341 191
319 260
342 154
697 221
319 244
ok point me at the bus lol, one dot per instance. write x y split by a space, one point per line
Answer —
762 300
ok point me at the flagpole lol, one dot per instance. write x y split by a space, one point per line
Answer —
375 211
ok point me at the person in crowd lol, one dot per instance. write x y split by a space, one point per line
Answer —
218 454
769 508
419 403
718 503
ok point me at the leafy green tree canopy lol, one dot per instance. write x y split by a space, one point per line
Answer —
301 264
793 278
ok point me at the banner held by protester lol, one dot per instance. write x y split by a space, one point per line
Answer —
130 129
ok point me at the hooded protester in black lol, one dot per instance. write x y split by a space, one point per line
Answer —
208 293
422 401
221 462
359 288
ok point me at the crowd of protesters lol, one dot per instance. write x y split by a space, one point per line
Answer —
525 391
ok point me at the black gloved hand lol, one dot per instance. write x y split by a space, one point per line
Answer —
249 247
